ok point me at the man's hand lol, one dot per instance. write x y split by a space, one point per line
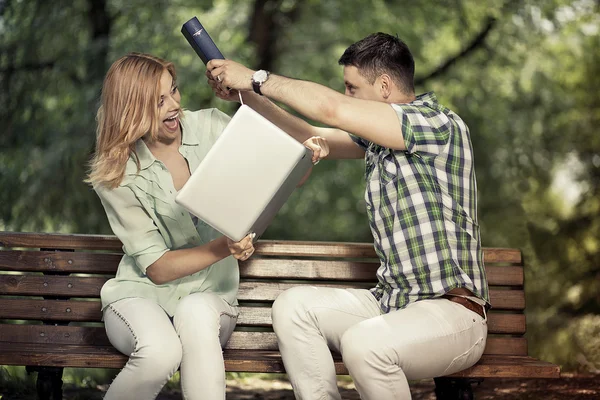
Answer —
221 91
243 249
319 147
230 74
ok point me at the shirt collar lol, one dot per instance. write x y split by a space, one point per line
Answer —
144 155
188 138
428 97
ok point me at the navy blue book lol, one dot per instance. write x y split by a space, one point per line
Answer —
200 40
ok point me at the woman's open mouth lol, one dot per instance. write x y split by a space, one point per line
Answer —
172 123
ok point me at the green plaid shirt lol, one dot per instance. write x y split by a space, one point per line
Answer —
422 208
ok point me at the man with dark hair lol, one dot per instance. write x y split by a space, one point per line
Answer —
426 317
381 53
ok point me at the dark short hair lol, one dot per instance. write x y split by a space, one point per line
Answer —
380 53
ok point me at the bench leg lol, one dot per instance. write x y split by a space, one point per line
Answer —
454 388
49 382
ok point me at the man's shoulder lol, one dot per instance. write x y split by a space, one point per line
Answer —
426 110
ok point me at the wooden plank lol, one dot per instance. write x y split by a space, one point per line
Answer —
84 286
264 247
497 323
489 366
240 340
59 241
268 291
499 255
51 261
350 271
308 269
504 276
315 249
50 310
54 355
510 367
255 268
506 346
513 300
90 311
513 324
48 285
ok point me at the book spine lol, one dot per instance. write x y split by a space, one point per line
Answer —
200 40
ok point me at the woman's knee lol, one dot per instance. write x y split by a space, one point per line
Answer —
199 306
164 350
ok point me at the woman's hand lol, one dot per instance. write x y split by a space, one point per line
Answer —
319 147
243 249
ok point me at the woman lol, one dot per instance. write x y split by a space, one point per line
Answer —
173 301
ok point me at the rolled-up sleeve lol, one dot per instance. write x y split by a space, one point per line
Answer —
427 136
133 226
362 143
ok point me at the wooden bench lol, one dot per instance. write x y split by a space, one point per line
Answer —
50 311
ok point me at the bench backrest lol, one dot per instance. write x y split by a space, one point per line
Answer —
50 280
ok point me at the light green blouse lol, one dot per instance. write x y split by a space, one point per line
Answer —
143 214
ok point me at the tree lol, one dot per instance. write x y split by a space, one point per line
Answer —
524 75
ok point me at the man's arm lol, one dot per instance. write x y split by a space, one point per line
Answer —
372 120
341 146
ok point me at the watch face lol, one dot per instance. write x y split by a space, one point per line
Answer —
260 76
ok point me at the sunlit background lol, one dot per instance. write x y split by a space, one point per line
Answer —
524 75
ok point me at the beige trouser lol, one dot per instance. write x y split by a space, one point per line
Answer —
156 347
428 338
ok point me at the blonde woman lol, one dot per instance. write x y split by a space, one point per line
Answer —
173 301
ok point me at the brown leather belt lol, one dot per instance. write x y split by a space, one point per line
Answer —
469 304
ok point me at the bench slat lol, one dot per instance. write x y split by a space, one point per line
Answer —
59 241
490 366
497 323
277 269
493 255
59 286
263 247
89 287
501 299
505 276
308 269
54 261
89 311
96 336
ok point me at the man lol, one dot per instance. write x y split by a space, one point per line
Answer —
426 316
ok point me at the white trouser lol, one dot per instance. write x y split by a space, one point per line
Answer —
156 347
427 339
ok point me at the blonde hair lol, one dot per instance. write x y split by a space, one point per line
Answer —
128 111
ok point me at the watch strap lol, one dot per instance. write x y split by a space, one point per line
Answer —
256 87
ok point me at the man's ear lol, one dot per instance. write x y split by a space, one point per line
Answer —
385 85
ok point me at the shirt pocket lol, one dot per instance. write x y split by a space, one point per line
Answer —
163 209
388 168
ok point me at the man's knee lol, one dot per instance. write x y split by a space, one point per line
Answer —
289 305
359 348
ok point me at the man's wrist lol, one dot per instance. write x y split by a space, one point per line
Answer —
258 79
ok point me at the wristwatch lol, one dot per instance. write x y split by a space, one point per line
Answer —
258 78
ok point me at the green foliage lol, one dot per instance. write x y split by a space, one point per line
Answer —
524 75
